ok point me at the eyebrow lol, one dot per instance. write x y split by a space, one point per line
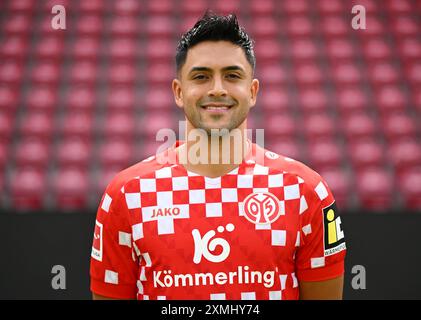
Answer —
229 68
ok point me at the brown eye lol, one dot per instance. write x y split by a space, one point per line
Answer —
233 76
199 77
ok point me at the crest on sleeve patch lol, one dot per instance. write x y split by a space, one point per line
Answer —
334 238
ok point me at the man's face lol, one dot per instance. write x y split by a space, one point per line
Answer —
215 86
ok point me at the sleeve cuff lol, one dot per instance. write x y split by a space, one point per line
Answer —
321 274
112 290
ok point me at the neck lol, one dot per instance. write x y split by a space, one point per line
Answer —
213 155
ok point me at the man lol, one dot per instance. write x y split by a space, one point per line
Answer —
258 226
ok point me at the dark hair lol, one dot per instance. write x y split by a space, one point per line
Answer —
214 28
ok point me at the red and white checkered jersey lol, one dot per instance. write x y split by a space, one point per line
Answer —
163 232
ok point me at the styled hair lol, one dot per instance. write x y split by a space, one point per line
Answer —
212 27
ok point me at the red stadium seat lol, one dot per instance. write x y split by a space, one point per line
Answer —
339 49
331 7
37 125
22 6
4 157
416 100
122 73
227 6
85 48
14 47
409 48
42 99
154 121
413 74
46 73
6 125
11 72
83 72
358 126
160 74
50 48
375 189
366 153
9 99
119 125
80 98
124 50
390 99
106 174
160 26
33 153
268 51
74 152
19 25
383 73
324 153
404 154
77 125
121 99
319 126
274 100
333 26
193 8
263 27
159 98
28 189
116 153
376 48
410 188
274 75
312 100
159 50
71 189
398 6
351 99
399 126
90 25
262 8
280 125
164 7
127 26
95 7
403 26
291 7
127 7
346 74
374 27
309 74
304 49
299 26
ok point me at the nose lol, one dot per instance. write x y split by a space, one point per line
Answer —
217 89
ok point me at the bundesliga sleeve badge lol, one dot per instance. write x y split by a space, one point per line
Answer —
334 238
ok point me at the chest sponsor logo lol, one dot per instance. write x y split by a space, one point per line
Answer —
204 245
261 208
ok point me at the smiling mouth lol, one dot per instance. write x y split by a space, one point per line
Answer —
216 107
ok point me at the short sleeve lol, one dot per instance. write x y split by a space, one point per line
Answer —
113 268
322 249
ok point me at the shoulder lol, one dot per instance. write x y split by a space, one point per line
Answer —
290 167
144 168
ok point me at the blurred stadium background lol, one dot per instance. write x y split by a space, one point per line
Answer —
80 104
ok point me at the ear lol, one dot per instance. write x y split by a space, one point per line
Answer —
254 89
178 94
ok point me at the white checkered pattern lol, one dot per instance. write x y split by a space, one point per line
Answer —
248 295
318 262
307 229
321 191
148 185
124 239
133 200
303 204
292 192
106 203
197 196
111 277
278 237
283 280
137 231
275 295
180 183
217 296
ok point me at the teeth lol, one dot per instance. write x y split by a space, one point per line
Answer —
217 108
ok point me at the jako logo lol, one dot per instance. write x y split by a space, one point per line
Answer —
203 245
261 208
